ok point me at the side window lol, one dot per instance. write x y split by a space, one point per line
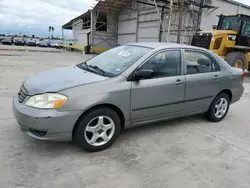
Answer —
198 62
246 28
164 64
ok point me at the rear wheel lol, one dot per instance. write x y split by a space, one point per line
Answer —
98 129
236 59
218 108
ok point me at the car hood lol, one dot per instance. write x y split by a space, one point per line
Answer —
59 79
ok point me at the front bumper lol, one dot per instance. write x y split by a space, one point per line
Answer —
45 124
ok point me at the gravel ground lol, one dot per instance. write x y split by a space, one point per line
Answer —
188 152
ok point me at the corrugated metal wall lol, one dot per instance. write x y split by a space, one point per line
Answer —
103 39
189 27
127 27
79 34
148 26
142 24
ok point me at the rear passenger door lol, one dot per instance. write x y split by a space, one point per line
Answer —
203 77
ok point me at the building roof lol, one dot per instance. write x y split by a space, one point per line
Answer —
103 5
69 24
238 3
112 5
117 5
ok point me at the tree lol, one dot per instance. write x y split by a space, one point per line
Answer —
52 29
49 30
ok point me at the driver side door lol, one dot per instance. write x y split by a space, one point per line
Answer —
162 95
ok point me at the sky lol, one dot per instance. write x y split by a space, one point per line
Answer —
28 17
35 16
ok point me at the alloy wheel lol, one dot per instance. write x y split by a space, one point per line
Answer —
99 131
220 108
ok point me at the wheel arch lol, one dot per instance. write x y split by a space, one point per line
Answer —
228 92
107 105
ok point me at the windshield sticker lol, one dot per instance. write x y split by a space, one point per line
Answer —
125 54
118 70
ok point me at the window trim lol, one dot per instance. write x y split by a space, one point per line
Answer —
130 77
202 52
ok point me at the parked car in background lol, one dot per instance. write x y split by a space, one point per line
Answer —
18 41
37 42
26 41
7 40
43 43
31 42
54 44
127 86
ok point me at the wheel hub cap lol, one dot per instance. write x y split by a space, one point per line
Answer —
221 108
99 131
238 64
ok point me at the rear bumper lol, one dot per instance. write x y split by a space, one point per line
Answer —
237 94
45 124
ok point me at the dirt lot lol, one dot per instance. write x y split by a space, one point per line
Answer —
189 152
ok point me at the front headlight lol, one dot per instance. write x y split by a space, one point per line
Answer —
47 101
231 37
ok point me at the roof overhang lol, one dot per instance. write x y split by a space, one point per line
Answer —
111 5
69 24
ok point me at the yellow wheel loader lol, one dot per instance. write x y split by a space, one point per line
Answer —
230 39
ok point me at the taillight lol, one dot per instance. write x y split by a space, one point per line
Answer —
243 76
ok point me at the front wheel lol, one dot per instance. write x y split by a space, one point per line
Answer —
219 108
98 129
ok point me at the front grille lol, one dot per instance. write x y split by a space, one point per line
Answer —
22 94
202 40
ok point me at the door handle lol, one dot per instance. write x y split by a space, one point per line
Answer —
179 82
216 77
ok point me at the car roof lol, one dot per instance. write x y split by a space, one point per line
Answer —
160 45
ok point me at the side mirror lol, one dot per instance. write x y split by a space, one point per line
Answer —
143 74
214 27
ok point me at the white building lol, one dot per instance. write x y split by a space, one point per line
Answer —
113 23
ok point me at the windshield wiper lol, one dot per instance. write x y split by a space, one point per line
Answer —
95 69
101 71
83 66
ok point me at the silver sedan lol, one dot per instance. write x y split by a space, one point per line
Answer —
127 86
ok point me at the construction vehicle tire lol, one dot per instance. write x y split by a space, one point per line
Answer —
236 59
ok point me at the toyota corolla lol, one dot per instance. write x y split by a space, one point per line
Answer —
127 86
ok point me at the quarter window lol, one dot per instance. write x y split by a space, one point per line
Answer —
198 62
164 64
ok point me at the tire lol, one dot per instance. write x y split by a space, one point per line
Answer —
91 121
233 57
211 113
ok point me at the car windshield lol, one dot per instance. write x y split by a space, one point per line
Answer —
113 62
229 22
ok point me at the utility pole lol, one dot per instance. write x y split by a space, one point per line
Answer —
180 22
200 14
169 18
